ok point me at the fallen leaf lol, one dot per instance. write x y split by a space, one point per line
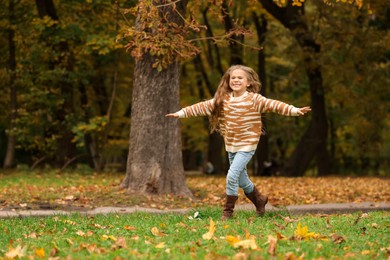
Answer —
210 234
53 252
374 225
303 232
232 240
17 252
337 239
349 255
40 252
67 221
80 233
280 236
366 252
289 256
121 242
279 225
236 242
160 245
156 232
272 245
246 244
129 227
110 237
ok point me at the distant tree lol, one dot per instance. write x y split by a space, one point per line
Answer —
11 144
313 143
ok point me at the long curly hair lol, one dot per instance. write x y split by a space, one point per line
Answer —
224 90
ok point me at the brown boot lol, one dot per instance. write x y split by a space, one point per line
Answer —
229 207
259 201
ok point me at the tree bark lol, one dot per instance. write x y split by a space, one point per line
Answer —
262 149
154 163
11 142
236 49
313 143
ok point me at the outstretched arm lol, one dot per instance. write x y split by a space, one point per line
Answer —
265 105
199 109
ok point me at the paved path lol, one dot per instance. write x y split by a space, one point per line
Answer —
294 209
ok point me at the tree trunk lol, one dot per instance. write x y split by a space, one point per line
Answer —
154 163
10 153
236 49
262 149
313 143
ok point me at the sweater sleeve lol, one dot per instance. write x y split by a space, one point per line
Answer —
264 105
199 109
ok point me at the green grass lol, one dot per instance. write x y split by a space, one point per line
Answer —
365 236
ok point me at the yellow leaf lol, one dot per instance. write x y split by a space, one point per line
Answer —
156 232
210 234
303 232
111 237
40 252
246 244
232 240
236 242
365 252
160 245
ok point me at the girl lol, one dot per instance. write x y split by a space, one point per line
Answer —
235 112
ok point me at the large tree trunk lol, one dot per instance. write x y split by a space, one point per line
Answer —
154 163
313 143
10 153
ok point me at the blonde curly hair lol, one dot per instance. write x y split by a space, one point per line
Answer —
224 89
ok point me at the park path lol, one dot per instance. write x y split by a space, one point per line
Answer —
331 208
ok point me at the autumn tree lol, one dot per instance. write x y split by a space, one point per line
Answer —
154 162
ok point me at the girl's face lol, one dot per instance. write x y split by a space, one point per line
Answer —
238 82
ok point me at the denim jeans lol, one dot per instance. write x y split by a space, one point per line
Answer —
237 175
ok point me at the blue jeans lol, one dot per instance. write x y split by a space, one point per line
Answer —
237 175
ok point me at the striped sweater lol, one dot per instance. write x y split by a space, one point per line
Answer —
240 120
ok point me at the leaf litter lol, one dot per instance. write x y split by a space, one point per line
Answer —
89 191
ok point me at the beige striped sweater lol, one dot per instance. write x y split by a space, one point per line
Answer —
240 122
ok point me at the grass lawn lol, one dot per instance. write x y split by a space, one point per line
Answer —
198 235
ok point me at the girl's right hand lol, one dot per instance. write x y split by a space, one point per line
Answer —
172 115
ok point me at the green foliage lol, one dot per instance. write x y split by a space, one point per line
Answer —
95 126
44 66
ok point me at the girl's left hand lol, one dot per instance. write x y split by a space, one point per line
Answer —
172 115
303 110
